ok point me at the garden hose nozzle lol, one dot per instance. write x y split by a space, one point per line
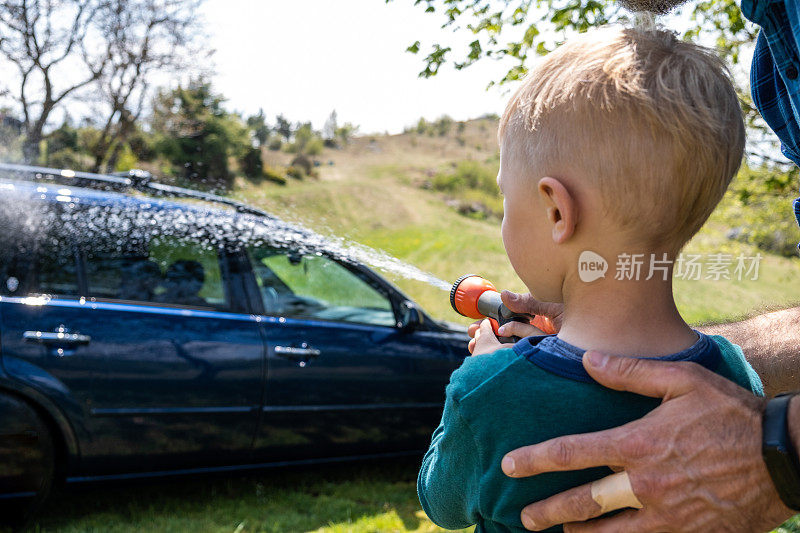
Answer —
475 297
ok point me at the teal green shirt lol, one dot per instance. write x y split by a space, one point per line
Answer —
501 401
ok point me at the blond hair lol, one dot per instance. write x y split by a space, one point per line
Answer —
654 121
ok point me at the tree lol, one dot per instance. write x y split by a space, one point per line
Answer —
60 48
258 125
519 30
142 37
198 136
346 132
283 127
329 130
44 40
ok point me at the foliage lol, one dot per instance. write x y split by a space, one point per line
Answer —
275 175
283 127
259 127
521 29
58 49
306 141
758 209
517 31
295 172
253 164
472 188
275 142
197 135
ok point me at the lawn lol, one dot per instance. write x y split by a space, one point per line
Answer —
346 497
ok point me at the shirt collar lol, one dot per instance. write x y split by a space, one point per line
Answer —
561 358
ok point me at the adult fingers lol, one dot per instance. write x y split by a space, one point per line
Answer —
573 505
519 329
526 303
657 379
570 452
626 522
473 328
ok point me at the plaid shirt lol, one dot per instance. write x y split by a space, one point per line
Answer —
774 80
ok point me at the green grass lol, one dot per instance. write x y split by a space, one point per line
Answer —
375 496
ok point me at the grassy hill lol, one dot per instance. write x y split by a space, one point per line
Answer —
378 191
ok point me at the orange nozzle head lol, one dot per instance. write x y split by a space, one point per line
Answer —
465 293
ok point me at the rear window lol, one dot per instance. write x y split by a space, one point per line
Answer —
36 256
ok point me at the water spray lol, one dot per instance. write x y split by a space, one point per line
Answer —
475 297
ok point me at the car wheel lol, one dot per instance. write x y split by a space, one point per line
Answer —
27 461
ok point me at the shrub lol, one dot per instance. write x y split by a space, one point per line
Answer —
467 175
314 146
275 175
443 125
296 173
303 163
275 142
253 164
758 209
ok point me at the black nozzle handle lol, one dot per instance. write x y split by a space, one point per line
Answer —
491 305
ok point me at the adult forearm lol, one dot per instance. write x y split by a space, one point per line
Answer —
771 343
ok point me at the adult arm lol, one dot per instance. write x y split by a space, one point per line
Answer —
771 343
694 462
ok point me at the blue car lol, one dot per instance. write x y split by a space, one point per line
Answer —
148 329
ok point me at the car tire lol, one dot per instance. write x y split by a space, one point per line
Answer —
27 461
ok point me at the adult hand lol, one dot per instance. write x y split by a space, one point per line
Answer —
518 303
694 462
527 304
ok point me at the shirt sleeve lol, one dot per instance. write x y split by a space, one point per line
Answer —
449 479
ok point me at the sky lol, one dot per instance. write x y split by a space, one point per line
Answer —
305 58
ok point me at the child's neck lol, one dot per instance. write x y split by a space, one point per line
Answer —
635 318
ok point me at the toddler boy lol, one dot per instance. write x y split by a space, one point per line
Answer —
616 149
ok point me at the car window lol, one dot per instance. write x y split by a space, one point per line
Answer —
313 286
166 270
47 267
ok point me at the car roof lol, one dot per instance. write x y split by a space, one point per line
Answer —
55 192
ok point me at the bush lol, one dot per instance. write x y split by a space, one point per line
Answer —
275 175
443 125
314 146
275 142
758 209
253 164
296 173
467 175
302 162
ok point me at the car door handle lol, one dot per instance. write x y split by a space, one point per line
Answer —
60 336
296 353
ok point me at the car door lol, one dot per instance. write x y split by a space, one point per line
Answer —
342 377
146 341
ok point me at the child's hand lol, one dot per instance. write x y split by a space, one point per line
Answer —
483 338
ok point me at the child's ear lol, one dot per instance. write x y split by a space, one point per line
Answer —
562 212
